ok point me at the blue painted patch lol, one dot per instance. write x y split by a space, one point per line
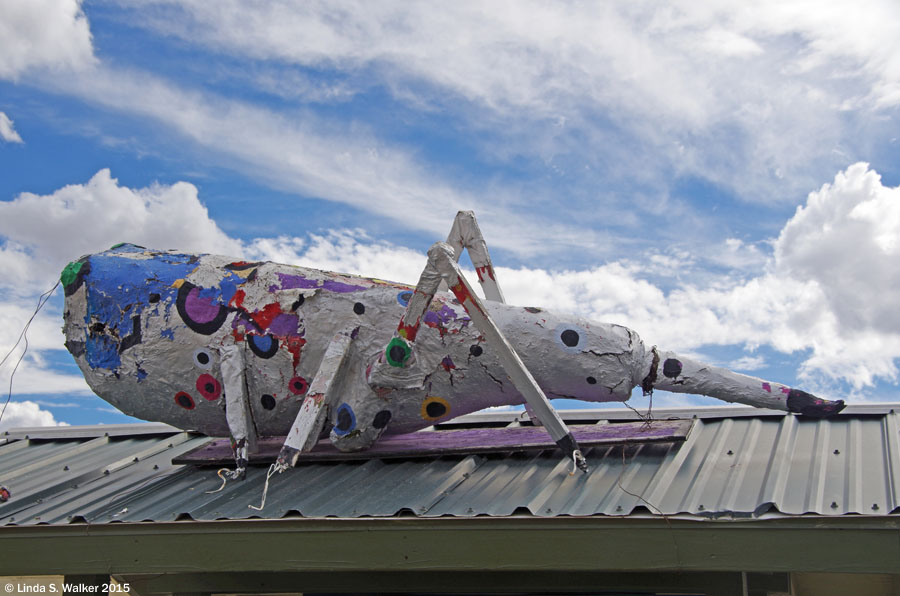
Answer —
119 287
263 343
404 297
101 352
344 421
167 333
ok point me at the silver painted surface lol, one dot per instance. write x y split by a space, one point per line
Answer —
732 467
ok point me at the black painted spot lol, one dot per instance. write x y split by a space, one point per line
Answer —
591 381
569 337
267 401
76 348
297 303
134 337
210 387
202 357
359 308
154 297
397 353
264 346
671 368
381 419
476 350
435 409
532 309
344 420
184 400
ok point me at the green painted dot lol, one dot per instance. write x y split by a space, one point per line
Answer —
117 245
70 272
397 352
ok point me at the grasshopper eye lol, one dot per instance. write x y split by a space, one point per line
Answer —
571 338
203 359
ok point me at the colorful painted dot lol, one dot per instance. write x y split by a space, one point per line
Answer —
434 408
476 350
345 420
264 346
359 308
569 337
202 359
397 352
298 386
209 387
267 401
671 368
184 400
381 419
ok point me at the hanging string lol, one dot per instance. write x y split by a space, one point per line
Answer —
273 469
24 335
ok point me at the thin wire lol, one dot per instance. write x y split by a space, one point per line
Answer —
221 475
272 470
24 335
650 505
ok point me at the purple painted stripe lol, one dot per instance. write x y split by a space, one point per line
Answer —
291 282
456 442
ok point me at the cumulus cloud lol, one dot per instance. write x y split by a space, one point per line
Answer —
45 34
44 232
26 413
7 132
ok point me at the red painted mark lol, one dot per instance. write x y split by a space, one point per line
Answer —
317 398
238 299
480 271
209 387
298 385
462 293
785 390
238 264
767 387
408 332
265 316
295 346
447 363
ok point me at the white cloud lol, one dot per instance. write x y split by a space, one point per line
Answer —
750 97
7 132
52 34
26 413
44 232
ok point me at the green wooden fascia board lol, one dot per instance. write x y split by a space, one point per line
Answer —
596 544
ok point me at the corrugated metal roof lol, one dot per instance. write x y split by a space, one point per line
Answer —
737 463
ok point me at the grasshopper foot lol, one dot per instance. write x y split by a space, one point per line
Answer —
801 402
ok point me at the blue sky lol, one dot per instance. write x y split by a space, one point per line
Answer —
721 178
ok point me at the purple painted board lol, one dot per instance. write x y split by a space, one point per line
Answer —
454 442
